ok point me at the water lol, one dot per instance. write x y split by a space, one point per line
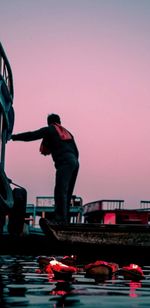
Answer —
22 286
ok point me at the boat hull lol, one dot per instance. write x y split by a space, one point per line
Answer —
118 243
97 234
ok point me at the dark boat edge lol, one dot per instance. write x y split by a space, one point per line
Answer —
135 250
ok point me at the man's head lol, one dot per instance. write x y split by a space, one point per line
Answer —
53 118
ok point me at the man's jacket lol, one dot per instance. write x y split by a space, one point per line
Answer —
55 138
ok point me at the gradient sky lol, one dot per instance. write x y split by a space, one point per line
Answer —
89 61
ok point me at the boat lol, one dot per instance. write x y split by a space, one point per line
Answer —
97 234
12 201
6 127
129 243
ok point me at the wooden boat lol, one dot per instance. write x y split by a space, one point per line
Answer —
97 234
115 243
122 244
6 128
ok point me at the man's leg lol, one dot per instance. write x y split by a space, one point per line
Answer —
71 188
2 222
60 194
63 178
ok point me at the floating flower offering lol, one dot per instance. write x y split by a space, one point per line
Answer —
132 272
57 269
101 270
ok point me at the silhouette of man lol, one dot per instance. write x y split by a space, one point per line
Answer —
60 144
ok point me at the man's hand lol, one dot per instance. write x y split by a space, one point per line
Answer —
12 137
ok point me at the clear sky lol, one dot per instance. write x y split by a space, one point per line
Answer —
89 61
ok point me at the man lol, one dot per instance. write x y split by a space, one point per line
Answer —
60 143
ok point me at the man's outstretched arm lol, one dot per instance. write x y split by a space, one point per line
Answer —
30 136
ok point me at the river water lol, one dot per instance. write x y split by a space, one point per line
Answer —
22 286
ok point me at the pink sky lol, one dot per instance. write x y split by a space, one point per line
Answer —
89 62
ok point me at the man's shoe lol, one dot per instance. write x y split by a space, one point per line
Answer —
47 228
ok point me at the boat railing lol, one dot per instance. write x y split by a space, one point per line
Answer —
145 204
48 201
6 127
6 101
105 204
5 71
45 207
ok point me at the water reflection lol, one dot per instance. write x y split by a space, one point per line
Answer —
22 285
133 287
64 290
2 301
